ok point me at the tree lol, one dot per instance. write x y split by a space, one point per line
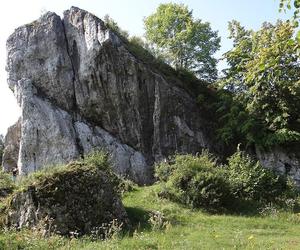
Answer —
184 42
264 75
287 4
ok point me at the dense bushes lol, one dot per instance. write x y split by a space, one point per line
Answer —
198 181
250 181
6 184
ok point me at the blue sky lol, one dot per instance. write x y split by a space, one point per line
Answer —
129 15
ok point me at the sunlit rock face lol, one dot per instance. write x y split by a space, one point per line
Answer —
80 89
284 160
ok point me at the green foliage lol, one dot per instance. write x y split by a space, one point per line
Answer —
235 124
187 229
113 25
93 161
287 4
185 165
199 182
97 159
6 183
195 181
264 79
125 185
249 181
184 42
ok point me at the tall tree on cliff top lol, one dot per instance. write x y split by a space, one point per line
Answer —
185 42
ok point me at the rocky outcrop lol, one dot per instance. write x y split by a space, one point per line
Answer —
284 160
78 199
80 89
11 151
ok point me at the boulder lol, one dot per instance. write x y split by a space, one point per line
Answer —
283 160
77 199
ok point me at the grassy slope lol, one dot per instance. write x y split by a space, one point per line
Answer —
187 229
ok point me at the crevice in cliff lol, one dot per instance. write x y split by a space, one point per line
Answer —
75 65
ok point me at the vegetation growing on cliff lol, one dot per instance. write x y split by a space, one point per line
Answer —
263 85
183 41
257 101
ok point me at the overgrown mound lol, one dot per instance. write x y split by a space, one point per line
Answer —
241 186
80 198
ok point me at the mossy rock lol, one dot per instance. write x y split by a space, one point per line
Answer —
80 198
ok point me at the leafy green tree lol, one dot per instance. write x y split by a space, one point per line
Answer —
184 42
264 75
288 4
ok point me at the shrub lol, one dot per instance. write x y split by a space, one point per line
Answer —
240 186
250 181
98 159
6 184
196 181
91 162
125 185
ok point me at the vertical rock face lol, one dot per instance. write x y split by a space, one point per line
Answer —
38 51
285 161
12 143
80 89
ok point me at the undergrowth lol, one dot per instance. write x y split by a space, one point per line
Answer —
241 186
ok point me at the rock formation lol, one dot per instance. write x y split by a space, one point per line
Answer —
12 142
78 199
284 160
80 89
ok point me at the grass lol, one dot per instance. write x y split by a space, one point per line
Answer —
183 229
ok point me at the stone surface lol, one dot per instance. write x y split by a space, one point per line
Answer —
11 151
285 161
80 89
79 199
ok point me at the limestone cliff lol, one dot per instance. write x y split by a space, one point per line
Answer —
80 89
